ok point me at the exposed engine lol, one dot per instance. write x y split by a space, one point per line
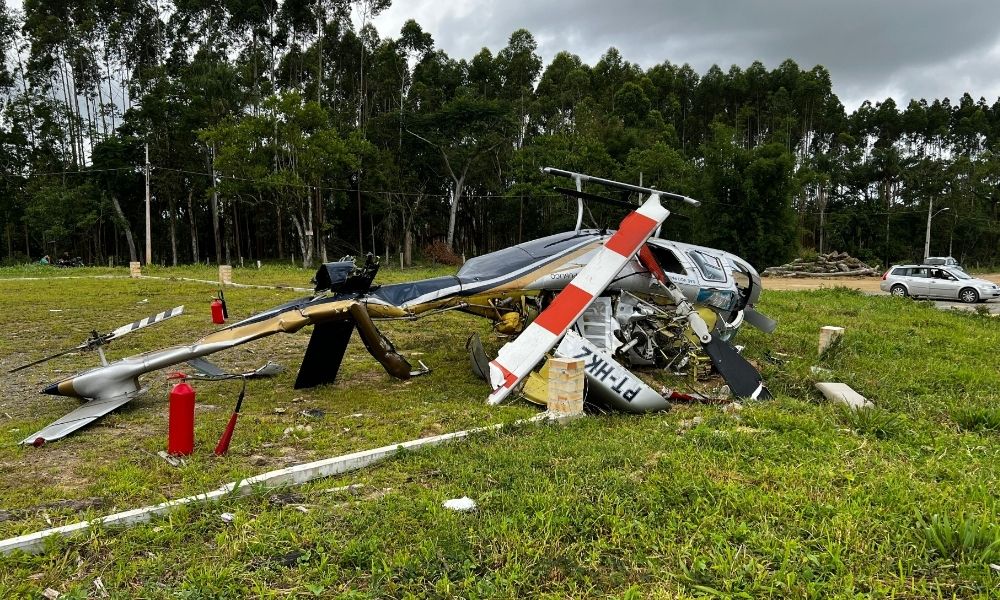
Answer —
638 333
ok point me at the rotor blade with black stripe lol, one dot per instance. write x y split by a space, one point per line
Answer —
157 318
593 197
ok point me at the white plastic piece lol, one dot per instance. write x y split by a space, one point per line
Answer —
463 504
842 393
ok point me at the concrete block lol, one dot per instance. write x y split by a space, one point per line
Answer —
828 336
841 393
135 269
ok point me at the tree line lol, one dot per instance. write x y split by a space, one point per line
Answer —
296 131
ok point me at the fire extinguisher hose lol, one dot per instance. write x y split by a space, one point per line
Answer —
227 436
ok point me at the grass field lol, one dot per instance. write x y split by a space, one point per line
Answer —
786 498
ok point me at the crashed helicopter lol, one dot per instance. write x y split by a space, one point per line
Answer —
619 299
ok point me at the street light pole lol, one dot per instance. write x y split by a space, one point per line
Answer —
930 216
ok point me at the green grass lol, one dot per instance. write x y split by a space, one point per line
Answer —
790 498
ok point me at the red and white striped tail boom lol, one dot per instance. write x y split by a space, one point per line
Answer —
519 357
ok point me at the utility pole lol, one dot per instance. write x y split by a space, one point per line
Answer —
930 215
149 228
361 235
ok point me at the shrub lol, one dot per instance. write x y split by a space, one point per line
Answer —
440 252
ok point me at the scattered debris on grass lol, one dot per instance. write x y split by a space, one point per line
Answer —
354 487
298 429
227 517
463 504
688 424
173 461
733 408
101 590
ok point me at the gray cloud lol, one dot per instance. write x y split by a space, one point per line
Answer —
873 49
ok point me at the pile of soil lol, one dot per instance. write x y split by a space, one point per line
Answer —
833 264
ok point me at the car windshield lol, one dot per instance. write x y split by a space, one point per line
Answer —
958 274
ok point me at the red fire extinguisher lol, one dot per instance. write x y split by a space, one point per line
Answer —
218 316
180 428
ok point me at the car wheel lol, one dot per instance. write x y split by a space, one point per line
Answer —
899 291
968 295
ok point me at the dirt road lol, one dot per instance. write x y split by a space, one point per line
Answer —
865 284
870 285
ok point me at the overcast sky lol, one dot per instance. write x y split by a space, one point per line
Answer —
873 48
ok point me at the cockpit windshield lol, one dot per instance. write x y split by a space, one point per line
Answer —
710 266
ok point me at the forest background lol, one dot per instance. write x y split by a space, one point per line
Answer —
294 131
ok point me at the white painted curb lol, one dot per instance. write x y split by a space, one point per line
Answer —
295 475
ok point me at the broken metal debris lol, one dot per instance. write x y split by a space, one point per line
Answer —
173 461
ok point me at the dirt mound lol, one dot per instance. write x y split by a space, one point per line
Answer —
833 264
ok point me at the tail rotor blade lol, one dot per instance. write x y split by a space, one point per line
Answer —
158 317
97 340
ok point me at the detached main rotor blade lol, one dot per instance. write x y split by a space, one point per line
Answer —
158 317
519 357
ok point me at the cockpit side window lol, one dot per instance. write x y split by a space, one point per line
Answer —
668 260
710 266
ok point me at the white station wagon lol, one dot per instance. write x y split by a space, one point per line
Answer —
933 281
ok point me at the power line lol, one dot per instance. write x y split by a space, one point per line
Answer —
488 196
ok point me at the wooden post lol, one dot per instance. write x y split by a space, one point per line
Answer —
565 387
